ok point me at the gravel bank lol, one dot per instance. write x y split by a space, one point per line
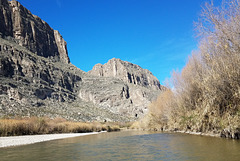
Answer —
31 139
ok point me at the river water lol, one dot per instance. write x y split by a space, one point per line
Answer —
128 145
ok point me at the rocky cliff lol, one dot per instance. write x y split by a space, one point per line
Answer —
32 85
20 25
37 78
128 72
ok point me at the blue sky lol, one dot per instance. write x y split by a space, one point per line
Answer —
158 35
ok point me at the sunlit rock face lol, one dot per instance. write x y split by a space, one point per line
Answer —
20 25
37 78
128 72
139 89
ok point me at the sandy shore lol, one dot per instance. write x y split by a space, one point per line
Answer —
31 139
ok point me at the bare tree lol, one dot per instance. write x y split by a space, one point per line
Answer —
206 92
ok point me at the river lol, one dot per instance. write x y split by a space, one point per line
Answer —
128 145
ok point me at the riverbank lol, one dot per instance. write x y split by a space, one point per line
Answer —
43 125
225 133
198 133
31 139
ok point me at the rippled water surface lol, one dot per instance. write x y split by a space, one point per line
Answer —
128 145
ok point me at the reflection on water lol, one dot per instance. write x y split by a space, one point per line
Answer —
129 145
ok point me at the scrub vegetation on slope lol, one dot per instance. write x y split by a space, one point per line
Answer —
205 96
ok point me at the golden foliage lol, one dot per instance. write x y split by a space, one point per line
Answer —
34 125
206 94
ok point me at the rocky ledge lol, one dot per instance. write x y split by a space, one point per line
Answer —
37 78
127 72
19 25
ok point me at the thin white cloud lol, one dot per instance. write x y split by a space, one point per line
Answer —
176 49
143 58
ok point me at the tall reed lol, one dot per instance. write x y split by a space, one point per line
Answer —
205 95
35 125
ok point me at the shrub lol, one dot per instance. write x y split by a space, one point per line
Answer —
34 125
206 92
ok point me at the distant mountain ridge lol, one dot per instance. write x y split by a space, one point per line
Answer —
128 72
37 78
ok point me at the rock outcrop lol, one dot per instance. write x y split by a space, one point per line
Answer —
37 78
128 88
31 85
113 94
128 72
5 19
28 30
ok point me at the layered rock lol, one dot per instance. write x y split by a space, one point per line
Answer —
117 96
129 89
5 19
32 85
128 72
31 32
37 79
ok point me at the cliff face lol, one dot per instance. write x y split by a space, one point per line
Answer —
119 97
31 85
128 72
37 78
5 18
138 87
31 32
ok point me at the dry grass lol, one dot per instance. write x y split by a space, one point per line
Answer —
34 125
206 95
